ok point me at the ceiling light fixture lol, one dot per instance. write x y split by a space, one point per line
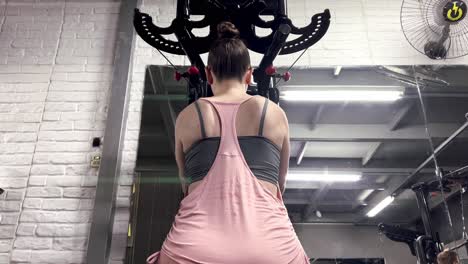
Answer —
379 207
324 176
342 93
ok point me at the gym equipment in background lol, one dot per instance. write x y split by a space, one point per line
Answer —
399 234
436 28
425 246
245 15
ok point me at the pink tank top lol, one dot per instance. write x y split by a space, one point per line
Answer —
230 218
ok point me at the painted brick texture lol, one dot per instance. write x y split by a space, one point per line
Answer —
56 62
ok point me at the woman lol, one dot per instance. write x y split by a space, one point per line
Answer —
232 151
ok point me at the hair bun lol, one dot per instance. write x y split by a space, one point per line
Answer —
227 30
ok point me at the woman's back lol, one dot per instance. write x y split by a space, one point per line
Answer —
231 217
256 119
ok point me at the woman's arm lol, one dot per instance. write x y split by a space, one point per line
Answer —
285 153
179 151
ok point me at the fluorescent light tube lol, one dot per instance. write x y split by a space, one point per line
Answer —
379 207
323 176
342 93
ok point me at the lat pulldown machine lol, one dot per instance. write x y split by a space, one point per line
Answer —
425 246
245 15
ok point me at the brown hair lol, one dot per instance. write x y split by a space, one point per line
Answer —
447 257
228 57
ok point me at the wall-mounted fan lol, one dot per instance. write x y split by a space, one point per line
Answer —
436 28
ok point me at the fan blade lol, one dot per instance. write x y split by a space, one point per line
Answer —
406 76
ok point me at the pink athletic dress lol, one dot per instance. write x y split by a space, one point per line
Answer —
230 218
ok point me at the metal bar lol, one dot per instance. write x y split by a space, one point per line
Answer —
439 95
279 39
462 169
459 246
197 83
421 197
260 77
103 214
182 9
282 7
185 40
438 150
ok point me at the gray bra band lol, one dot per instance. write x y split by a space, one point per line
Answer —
262 156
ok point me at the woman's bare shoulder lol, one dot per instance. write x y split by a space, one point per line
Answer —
276 121
185 115
277 112
260 101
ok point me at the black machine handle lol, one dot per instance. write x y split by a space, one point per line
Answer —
399 234
260 76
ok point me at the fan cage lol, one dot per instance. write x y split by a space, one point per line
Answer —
422 22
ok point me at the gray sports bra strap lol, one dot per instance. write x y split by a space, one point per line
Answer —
200 117
262 120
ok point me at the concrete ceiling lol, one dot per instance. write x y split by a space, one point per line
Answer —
383 141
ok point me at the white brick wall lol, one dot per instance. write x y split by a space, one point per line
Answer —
55 73
55 69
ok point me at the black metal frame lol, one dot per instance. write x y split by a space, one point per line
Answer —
425 246
246 17
428 245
